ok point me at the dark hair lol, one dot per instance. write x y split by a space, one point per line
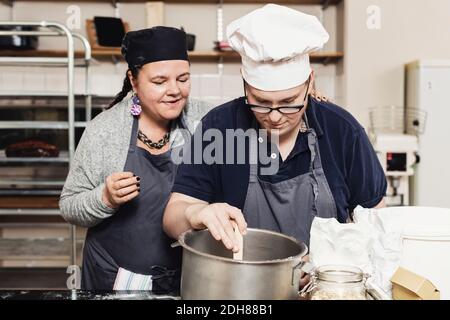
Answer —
127 87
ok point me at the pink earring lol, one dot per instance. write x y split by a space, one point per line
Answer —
136 108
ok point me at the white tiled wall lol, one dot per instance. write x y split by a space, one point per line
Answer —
215 88
11 80
34 81
106 80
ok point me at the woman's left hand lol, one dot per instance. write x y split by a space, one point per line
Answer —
318 96
304 277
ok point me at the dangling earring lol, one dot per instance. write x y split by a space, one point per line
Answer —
136 108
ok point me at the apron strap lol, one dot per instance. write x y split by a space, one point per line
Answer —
313 162
134 134
316 162
253 157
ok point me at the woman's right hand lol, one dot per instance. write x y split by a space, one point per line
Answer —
120 187
218 217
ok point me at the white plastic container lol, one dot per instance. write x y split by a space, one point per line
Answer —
426 251
425 242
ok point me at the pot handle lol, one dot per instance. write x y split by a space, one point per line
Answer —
304 266
175 244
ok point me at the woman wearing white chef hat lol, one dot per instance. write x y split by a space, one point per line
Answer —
327 165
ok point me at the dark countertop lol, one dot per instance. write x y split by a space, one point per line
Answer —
81 295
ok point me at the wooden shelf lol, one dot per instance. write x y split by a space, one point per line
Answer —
38 53
29 202
319 57
195 56
326 57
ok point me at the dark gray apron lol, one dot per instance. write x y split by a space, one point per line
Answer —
290 206
133 238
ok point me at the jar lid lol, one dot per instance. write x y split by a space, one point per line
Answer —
339 274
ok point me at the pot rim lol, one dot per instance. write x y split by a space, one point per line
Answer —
302 245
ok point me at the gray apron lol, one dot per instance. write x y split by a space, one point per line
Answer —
290 206
133 238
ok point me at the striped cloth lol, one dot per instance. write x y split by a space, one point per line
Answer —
127 280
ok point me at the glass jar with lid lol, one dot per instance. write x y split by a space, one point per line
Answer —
338 282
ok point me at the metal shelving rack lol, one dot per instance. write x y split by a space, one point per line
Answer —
48 29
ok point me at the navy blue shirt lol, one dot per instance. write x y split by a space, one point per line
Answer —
351 166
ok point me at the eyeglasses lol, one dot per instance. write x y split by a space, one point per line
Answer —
282 109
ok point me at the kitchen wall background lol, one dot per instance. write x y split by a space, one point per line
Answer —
374 59
199 19
371 74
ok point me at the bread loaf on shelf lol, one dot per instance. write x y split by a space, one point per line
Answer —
31 148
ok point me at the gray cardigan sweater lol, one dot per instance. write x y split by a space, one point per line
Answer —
103 150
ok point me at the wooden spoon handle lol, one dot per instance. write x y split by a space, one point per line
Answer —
237 233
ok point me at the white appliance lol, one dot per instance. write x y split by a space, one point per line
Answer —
393 133
397 153
428 89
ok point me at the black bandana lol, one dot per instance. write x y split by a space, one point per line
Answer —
154 44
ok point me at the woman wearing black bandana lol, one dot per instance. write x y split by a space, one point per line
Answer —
122 173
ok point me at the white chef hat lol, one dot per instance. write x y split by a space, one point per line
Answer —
274 42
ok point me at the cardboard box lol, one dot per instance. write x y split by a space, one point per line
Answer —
407 285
